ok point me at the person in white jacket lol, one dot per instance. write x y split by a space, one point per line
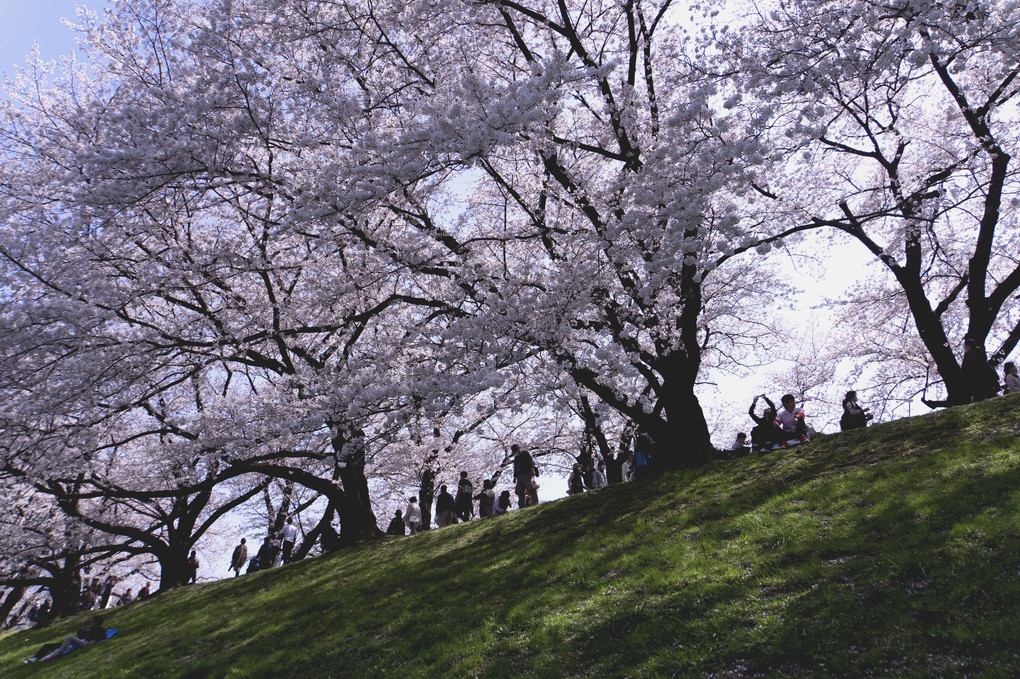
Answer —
627 470
412 516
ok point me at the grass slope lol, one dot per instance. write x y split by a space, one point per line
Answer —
890 551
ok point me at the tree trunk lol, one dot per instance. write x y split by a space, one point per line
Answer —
681 439
65 589
10 601
315 533
357 520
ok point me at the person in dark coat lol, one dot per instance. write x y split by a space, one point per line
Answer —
486 499
525 477
193 567
767 433
854 416
445 508
396 526
464 505
980 379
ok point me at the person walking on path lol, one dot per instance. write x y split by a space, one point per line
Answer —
239 558
104 600
412 515
290 535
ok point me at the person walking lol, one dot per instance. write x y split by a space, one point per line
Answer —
239 558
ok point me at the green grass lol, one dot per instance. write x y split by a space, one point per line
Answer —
885 552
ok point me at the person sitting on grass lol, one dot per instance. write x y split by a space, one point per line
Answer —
854 416
86 637
791 419
766 434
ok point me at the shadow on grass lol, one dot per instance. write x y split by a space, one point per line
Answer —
862 554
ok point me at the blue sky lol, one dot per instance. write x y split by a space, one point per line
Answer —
24 23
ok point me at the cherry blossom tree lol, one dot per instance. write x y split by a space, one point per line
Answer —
901 124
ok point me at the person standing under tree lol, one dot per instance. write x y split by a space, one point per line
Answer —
643 446
525 476
486 499
396 526
627 468
464 503
445 504
980 378
239 558
1011 382
412 515
193 567
289 534
575 482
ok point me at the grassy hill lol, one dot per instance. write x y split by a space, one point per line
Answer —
886 552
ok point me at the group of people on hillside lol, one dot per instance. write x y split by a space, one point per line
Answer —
270 554
787 426
774 428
